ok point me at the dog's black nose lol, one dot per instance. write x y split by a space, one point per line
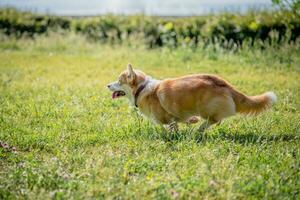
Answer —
108 86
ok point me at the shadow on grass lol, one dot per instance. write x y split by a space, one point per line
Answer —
245 137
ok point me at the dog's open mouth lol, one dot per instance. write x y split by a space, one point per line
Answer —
118 94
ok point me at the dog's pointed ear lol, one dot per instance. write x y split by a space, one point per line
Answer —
131 73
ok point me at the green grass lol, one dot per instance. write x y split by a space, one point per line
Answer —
74 141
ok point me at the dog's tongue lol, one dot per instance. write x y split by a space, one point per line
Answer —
114 95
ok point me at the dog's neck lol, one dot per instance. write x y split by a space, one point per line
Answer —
140 88
147 85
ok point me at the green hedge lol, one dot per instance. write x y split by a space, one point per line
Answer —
227 29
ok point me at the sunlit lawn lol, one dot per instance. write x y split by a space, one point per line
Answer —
73 141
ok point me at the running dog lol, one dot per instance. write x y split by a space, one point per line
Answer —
186 98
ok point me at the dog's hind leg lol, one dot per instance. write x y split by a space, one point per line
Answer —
206 124
220 109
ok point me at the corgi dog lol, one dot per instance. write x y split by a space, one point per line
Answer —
186 98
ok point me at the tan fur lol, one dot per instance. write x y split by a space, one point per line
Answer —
251 105
182 99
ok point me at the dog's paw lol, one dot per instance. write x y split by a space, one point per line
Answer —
192 120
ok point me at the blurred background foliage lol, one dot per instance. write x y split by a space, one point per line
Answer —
228 30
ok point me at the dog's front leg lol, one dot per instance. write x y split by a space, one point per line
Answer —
172 127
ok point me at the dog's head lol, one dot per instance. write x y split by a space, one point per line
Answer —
127 83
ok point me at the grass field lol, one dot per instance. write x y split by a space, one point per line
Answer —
73 141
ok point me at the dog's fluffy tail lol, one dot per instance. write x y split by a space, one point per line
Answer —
252 105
